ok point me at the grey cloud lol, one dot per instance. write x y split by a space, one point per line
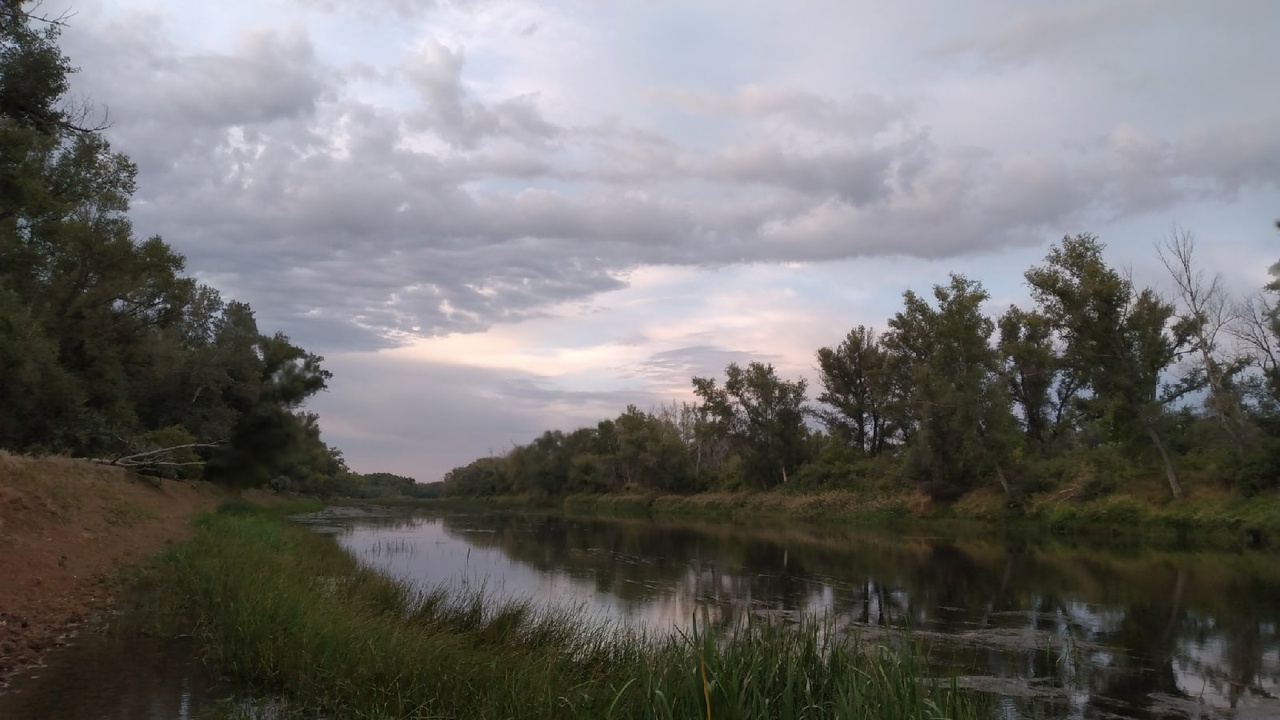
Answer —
331 217
403 9
1234 156
450 112
422 419
170 109
857 177
272 75
536 395
674 369
1028 33
859 116
418 419
1141 171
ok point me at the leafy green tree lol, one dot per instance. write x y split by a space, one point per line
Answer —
39 401
595 469
79 290
1267 338
483 477
856 391
269 436
650 452
958 405
1035 375
1117 337
542 466
761 415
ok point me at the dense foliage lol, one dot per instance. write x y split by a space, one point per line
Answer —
1099 381
107 347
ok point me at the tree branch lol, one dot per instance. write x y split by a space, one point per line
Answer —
135 460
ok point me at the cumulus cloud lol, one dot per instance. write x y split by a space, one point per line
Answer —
363 205
448 110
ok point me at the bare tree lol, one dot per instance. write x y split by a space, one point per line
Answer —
1205 315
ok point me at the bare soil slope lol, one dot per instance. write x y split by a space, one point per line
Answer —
67 527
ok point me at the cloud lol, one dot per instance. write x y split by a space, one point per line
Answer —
448 110
420 418
427 192
673 369
1028 33
861 116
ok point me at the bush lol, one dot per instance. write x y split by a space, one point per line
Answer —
1260 469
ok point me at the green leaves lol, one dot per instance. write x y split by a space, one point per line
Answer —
1117 339
952 399
760 415
857 389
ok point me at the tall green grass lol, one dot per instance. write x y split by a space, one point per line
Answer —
294 616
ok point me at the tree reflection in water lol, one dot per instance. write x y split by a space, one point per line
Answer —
1066 632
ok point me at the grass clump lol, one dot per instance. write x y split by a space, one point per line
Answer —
294 616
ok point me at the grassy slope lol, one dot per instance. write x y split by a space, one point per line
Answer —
291 613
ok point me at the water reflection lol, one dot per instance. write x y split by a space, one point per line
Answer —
115 677
1066 633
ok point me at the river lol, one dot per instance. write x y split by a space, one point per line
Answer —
1058 632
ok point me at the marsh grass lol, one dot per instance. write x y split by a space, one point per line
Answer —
291 615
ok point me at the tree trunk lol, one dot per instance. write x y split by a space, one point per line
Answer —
1004 483
1169 473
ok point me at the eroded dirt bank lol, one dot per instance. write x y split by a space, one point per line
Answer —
67 529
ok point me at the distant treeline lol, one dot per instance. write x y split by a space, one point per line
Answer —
107 348
1098 382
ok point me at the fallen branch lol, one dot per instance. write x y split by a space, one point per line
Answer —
137 460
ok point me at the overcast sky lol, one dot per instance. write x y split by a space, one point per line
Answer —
498 217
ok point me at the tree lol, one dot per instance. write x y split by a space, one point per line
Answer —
1204 315
1035 375
480 478
956 403
78 289
855 388
650 452
761 415
1117 337
269 433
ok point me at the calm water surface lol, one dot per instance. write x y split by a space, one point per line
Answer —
1056 632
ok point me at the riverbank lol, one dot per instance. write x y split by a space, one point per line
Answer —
293 616
1204 518
70 534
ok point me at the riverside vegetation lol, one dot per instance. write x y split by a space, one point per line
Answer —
1105 406
294 616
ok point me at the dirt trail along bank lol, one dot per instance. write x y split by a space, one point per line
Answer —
67 527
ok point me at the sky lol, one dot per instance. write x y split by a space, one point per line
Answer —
498 217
